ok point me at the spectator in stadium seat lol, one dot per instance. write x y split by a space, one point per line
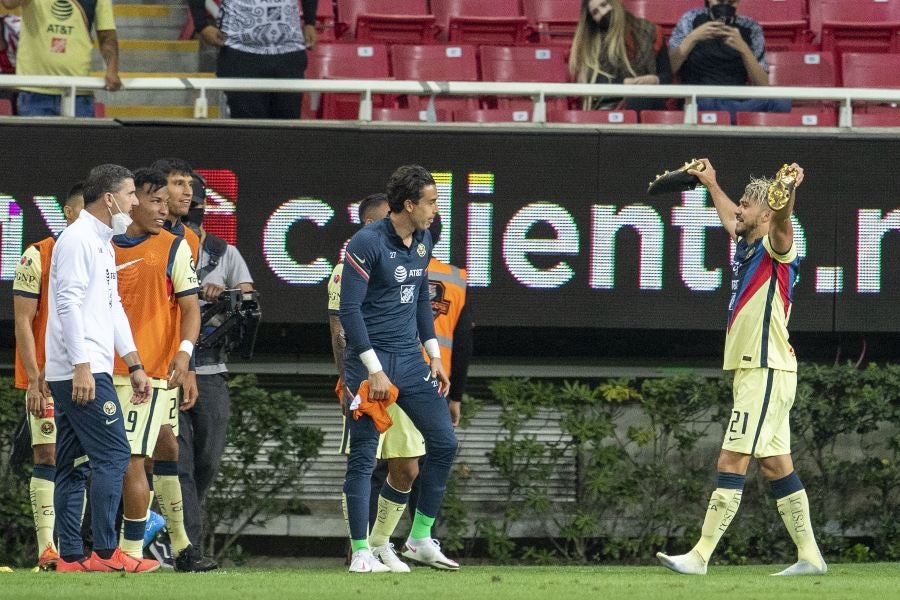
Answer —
611 45
713 45
264 39
55 39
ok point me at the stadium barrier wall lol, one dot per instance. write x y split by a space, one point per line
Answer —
553 223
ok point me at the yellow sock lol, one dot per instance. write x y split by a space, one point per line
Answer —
386 520
132 540
41 493
168 492
794 511
723 505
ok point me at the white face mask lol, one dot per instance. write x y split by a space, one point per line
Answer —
120 220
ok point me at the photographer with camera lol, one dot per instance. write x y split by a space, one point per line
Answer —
229 315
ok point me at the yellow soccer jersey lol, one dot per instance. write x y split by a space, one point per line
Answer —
334 289
56 37
761 289
184 278
28 273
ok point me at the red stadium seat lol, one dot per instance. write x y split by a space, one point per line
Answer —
344 61
603 117
795 118
802 69
388 21
325 22
857 25
664 13
870 70
407 114
6 108
493 115
524 63
481 21
878 119
553 21
99 110
785 23
437 63
676 117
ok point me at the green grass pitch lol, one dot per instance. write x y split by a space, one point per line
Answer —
843 581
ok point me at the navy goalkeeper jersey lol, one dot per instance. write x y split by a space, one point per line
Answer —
385 303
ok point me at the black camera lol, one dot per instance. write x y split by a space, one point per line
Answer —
228 324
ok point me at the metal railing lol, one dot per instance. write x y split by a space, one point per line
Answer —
539 92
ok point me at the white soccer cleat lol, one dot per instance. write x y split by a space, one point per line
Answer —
389 558
686 564
364 561
803 567
428 552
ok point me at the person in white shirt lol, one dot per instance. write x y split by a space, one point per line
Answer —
85 325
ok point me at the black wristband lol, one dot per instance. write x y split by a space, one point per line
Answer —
137 367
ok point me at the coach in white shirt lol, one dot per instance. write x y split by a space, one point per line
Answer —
85 325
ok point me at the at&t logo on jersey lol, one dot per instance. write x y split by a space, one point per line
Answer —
406 294
400 274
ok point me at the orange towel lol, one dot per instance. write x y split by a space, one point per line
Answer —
377 409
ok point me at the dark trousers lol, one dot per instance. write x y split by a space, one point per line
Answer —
262 105
419 399
98 430
202 434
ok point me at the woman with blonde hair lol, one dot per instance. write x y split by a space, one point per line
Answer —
611 45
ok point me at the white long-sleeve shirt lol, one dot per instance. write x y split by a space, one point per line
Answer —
85 320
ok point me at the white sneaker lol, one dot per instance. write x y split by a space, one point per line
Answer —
686 564
364 561
804 567
389 558
428 552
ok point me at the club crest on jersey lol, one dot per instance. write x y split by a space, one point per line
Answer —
420 250
400 274
406 294
47 428
109 407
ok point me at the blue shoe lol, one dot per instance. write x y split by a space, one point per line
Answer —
155 522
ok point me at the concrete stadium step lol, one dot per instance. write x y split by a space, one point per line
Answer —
155 112
154 55
149 21
154 97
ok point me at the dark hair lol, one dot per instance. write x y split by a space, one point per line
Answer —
76 191
103 179
406 183
369 204
148 175
172 165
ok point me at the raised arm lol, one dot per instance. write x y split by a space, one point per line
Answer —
781 230
725 207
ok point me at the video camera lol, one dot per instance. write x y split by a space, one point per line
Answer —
228 324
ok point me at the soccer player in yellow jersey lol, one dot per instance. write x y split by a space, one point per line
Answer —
159 288
56 40
30 309
764 271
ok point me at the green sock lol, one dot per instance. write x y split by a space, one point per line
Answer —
421 527
359 545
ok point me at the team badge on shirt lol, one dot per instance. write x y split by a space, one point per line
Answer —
109 407
421 250
47 428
